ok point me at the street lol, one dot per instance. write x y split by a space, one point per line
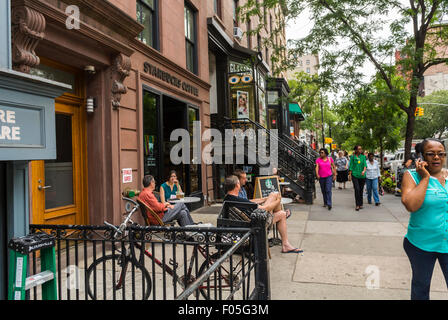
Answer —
343 250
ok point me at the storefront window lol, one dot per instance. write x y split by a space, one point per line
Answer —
193 115
242 89
262 107
150 133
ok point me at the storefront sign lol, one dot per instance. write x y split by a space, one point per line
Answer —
20 127
172 80
235 67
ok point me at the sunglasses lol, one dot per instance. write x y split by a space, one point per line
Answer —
432 154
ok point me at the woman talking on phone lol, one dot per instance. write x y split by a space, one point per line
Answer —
425 195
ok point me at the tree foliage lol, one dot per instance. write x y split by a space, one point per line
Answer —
369 118
348 33
434 123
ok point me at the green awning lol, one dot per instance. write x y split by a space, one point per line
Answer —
295 110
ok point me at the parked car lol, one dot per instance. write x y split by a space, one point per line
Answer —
388 157
397 161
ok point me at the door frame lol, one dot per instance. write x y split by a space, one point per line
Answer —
80 170
161 166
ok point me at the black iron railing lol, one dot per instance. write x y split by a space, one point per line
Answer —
296 162
157 263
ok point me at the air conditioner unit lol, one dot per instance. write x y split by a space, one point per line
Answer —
237 33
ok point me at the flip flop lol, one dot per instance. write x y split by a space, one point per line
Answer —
296 250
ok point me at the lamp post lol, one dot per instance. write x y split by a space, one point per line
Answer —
323 128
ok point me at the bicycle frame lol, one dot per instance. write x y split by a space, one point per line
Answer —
184 280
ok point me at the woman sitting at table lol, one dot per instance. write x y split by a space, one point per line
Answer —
169 189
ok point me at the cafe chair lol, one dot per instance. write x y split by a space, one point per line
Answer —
145 210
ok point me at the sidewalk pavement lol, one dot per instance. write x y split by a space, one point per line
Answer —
348 255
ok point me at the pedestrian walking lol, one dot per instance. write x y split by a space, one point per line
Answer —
425 195
342 169
373 175
357 174
326 174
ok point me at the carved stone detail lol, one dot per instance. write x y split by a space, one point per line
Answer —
28 28
120 71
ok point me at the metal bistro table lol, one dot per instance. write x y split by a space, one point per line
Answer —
185 200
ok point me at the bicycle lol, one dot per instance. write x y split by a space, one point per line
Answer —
113 273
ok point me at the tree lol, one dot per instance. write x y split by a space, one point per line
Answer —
369 119
306 90
347 33
434 123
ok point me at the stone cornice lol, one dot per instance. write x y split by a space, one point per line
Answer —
120 27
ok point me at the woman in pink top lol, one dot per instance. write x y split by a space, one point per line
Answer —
326 174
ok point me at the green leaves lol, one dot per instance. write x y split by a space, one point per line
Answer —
434 123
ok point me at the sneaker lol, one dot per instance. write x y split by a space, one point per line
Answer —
329 208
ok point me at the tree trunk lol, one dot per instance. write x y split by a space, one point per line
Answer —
410 128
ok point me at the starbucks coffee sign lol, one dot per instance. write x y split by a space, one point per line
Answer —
170 79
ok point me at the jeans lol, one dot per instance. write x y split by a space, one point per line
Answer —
358 185
372 185
180 213
422 264
325 186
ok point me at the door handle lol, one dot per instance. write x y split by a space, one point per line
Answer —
43 188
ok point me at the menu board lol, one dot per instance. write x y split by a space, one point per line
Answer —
264 186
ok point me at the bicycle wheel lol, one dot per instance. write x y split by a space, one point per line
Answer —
113 277
224 280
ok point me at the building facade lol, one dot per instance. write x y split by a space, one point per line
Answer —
308 64
137 71
244 80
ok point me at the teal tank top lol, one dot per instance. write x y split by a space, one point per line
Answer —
428 226
168 192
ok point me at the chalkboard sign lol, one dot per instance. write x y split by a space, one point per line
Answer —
264 186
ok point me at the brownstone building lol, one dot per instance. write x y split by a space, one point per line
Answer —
138 70
241 66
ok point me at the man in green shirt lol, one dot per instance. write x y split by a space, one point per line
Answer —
357 173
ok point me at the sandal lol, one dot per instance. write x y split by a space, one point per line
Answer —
296 250
290 213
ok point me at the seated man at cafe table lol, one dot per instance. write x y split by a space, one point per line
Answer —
272 203
166 211
233 188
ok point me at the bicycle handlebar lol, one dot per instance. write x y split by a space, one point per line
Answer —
130 200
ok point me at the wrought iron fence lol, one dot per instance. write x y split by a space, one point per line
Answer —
158 263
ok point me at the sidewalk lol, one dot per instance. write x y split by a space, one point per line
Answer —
348 255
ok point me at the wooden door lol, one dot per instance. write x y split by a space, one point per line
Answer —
57 185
